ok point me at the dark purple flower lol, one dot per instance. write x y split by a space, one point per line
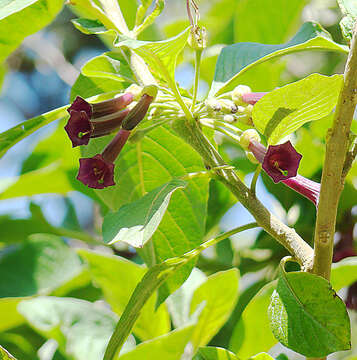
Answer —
79 128
252 97
80 104
96 172
281 163
92 120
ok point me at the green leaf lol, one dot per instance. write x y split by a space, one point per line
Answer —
252 334
37 266
298 318
160 56
219 294
256 21
214 353
82 329
110 65
105 270
169 346
141 167
5 355
12 136
16 21
349 9
286 109
89 26
136 222
344 273
51 179
178 303
236 59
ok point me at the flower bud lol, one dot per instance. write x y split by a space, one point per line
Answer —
213 104
138 112
228 106
198 38
238 92
229 118
253 97
248 136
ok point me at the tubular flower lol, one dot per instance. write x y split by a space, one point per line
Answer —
252 97
281 163
138 112
92 120
98 171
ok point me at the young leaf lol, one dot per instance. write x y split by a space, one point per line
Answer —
136 222
105 270
16 21
169 346
252 333
219 294
37 266
286 109
160 55
10 317
109 65
298 318
89 26
81 328
214 353
236 59
344 273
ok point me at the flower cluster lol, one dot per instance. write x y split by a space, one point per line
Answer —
237 106
281 163
88 121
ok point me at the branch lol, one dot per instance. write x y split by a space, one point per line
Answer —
332 180
190 132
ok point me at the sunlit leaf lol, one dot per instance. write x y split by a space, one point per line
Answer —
252 333
344 273
105 270
37 266
214 353
136 222
218 295
169 346
286 109
81 328
16 21
160 55
236 59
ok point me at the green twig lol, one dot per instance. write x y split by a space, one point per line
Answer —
332 181
255 178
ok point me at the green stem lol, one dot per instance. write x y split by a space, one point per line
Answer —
197 76
255 178
152 279
332 175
